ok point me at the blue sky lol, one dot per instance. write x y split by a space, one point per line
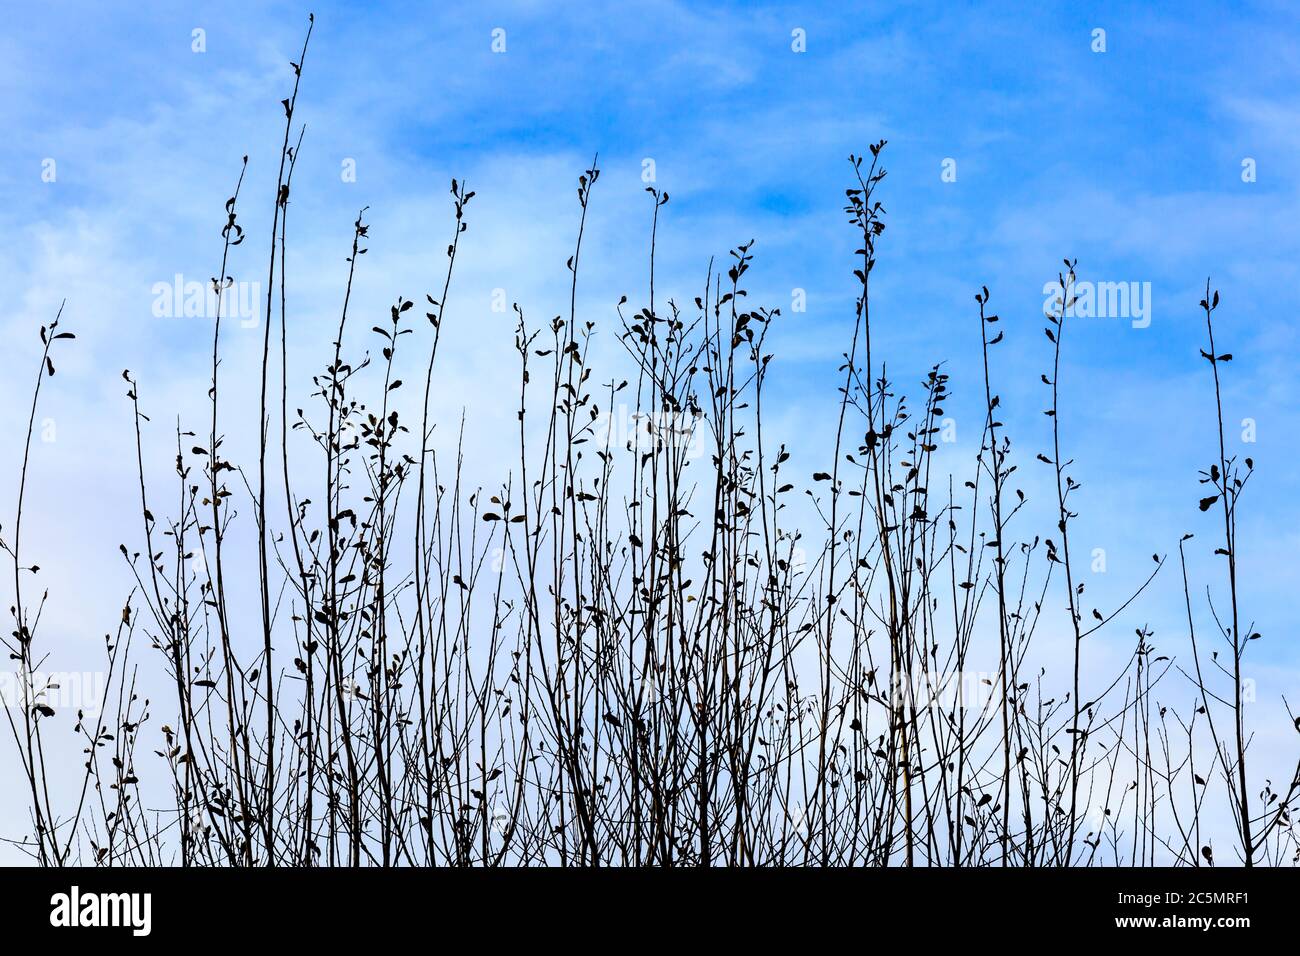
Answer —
1128 159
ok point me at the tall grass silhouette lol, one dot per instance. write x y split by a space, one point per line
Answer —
628 652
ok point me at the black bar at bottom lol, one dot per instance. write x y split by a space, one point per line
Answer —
363 908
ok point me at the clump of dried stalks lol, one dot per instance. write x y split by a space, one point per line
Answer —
617 656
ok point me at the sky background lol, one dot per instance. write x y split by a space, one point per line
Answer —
1128 159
